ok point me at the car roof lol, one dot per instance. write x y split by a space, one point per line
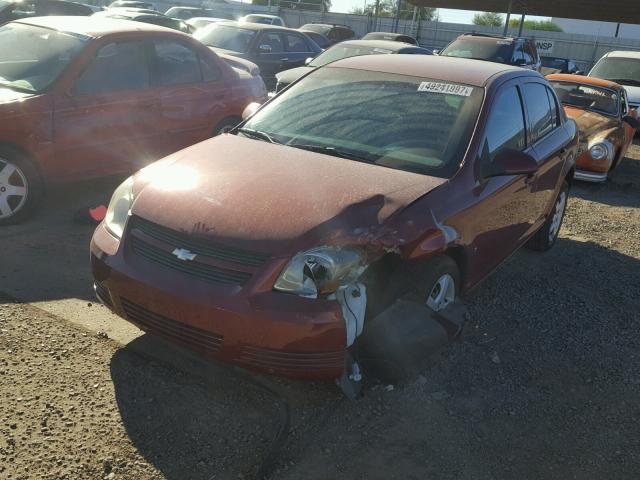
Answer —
386 44
623 54
92 26
485 37
263 15
256 26
596 82
329 25
457 70
185 8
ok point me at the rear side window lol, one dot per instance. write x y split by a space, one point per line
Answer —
541 117
175 63
555 111
117 67
528 54
506 127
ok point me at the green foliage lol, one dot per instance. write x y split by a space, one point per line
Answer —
488 19
547 25
388 8
314 5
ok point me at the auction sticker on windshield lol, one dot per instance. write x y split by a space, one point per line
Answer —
449 88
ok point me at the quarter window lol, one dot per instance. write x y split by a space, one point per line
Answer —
175 64
506 127
540 113
117 67
555 112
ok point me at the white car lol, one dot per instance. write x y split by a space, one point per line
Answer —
199 22
623 68
264 19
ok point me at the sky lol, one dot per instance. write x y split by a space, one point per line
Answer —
446 15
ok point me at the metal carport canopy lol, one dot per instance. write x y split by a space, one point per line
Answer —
619 11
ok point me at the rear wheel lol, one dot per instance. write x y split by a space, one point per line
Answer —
546 237
20 187
226 125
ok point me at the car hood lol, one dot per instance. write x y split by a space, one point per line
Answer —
271 198
8 96
290 76
590 123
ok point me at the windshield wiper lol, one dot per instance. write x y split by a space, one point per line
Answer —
257 134
335 152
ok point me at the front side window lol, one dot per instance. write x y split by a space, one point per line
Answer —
587 97
541 117
226 37
396 121
117 67
32 58
500 51
175 63
506 127
518 54
272 41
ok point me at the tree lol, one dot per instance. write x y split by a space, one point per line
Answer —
315 5
488 19
547 25
388 8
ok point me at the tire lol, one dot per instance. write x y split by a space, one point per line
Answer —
402 340
546 237
226 125
18 175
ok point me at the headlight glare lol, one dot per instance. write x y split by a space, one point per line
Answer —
320 271
119 207
598 151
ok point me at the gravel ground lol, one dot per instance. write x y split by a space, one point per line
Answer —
544 385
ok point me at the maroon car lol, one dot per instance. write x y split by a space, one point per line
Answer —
373 179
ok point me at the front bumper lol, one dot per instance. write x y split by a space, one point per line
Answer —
255 328
593 177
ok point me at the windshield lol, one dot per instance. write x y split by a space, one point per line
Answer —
226 37
550 62
32 58
344 51
601 100
396 121
499 51
618 69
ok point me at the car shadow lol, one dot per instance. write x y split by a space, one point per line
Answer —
193 418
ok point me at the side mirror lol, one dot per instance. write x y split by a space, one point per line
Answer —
308 61
250 110
578 72
264 48
631 121
436 51
511 162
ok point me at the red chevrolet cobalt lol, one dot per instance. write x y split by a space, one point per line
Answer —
277 246
82 97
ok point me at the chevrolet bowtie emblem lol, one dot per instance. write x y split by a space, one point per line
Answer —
183 254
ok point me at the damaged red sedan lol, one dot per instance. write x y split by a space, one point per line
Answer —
372 181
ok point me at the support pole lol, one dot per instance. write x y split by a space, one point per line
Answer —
617 30
397 22
521 24
506 22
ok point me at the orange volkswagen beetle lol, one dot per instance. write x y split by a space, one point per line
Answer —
606 122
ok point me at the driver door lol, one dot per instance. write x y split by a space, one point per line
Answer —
629 131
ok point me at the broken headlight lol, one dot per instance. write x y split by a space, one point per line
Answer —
119 207
320 271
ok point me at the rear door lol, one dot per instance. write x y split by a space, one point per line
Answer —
297 51
549 142
108 120
192 95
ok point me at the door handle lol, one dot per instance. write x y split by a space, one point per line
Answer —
284 59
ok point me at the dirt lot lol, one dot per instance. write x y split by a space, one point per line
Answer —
544 385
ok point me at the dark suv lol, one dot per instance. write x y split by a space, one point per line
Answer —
521 52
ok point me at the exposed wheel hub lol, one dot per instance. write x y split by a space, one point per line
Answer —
13 188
